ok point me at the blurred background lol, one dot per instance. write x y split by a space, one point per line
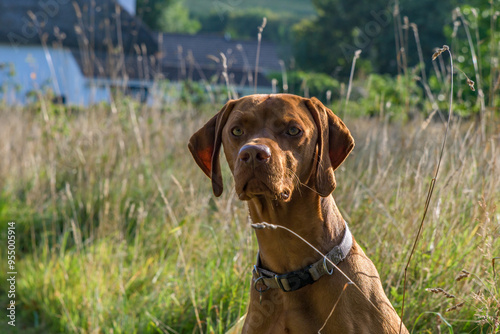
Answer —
82 52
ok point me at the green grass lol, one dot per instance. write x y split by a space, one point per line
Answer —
297 7
117 229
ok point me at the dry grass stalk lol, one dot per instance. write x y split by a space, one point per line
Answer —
424 81
284 76
439 51
224 74
476 64
463 274
438 324
455 307
493 265
333 308
356 56
440 291
432 183
259 39
470 82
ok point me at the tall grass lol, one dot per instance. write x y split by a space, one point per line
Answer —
118 230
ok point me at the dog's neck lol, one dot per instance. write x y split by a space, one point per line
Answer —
316 219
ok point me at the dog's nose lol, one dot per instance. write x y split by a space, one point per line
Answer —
254 153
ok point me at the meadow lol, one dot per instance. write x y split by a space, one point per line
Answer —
117 229
298 7
118 232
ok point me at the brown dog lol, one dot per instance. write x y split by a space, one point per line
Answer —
283 151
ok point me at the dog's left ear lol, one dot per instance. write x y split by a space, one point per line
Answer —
334 145
205 144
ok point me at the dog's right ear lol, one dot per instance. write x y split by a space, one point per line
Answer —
205 144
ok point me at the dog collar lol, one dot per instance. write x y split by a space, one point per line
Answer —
298 279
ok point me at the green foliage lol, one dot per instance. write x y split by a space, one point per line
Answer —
191 93
176 19
242 24
384 95
300 8
309 84
8 82
327 42
481 23
150 11
167 16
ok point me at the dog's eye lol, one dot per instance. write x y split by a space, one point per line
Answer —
237 132
293 131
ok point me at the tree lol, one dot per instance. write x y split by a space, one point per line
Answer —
150 11
244 23
327 42
167 16
175 18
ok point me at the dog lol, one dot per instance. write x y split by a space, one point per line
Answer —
282 150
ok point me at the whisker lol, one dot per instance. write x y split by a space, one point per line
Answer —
300 183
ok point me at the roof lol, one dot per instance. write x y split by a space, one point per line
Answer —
197 57
205 50
116 66
236 77
78 24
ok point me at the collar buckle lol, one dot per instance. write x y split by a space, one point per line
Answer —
278 278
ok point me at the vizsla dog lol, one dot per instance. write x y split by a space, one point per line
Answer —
282 151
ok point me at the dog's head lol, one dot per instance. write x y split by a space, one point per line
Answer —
274 144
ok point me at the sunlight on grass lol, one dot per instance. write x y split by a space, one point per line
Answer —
103 249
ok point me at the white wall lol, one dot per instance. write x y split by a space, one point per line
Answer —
35 69
128 5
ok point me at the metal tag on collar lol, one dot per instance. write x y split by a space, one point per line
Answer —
260 291
325 267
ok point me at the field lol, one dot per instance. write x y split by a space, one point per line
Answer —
118 232
298 7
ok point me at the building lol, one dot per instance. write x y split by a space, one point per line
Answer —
198 58
79 52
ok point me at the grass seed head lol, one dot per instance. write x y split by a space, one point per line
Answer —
439 51
455 307
440 291
463 274
471 84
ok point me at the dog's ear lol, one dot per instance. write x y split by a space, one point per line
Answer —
205 144
334 145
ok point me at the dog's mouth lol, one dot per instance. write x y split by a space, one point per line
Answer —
254 187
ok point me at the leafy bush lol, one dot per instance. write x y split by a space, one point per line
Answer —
309 84
243 24
386 95
476 37
167 16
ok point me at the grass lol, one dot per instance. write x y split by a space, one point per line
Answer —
296 7
117 229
